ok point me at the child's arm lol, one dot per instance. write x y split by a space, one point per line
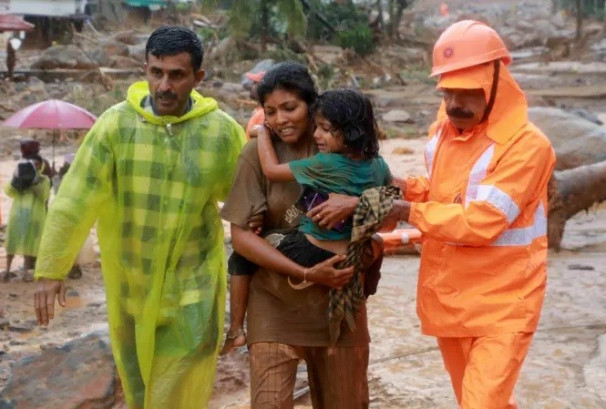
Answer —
272 169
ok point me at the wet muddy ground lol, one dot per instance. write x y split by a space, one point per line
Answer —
565 369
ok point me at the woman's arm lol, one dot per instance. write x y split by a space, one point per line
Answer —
272 169
257 250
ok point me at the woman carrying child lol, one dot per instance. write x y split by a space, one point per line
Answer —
288 321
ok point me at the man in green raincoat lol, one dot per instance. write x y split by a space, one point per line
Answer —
150 172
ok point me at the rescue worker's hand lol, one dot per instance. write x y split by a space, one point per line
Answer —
401 183
44 298
336 209
326 274
255 223
399 211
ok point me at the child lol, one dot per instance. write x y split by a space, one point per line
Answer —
348 163
30 190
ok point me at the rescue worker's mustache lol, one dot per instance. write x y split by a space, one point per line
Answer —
459 113
165 95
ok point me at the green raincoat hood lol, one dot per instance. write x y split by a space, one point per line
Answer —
139 90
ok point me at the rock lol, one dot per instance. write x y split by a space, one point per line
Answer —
22 327
119 61
130 38
585 114
137 52
397 115
79 374
64 56
112 48
580 267
575 140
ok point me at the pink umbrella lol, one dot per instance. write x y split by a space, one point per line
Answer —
52 114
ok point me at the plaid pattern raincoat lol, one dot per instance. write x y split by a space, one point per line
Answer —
152 184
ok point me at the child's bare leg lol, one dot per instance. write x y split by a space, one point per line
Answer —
238 301
373 263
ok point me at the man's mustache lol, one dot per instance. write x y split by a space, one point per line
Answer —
165 95
459 113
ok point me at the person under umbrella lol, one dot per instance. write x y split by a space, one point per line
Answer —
30 190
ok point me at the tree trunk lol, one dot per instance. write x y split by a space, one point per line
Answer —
579 19
264 8
571 191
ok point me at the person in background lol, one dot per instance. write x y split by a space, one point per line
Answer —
30 190
258 115
11 59
30 149
151 172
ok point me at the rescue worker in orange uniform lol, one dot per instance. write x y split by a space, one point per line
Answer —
482 211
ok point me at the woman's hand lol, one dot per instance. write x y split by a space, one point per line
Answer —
336 209
326 274
255 223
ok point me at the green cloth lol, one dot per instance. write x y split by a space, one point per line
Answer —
26 218
336 173
152 184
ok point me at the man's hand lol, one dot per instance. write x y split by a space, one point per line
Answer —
255 223
326 274
336 209
399 211
44 298
401 183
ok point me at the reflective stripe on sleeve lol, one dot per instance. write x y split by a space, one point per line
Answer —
498 199
523 236
477 174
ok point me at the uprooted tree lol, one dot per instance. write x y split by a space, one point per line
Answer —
571 191
580 177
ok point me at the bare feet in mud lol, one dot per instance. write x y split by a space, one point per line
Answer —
234 339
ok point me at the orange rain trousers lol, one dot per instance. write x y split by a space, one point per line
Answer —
484 370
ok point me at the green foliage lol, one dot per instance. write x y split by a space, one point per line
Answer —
591 8
245 17
284 54
359 38
350 23
327 75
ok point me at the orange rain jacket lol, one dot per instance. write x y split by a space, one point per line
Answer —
482 211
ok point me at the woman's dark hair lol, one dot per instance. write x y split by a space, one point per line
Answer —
350 112
290 76
172 40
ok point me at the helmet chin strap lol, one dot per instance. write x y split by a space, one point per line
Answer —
493 90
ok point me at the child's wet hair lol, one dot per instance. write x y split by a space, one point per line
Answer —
350 112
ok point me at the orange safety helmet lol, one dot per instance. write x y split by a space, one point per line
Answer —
465 44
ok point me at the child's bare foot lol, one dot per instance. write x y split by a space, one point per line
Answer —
233 339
